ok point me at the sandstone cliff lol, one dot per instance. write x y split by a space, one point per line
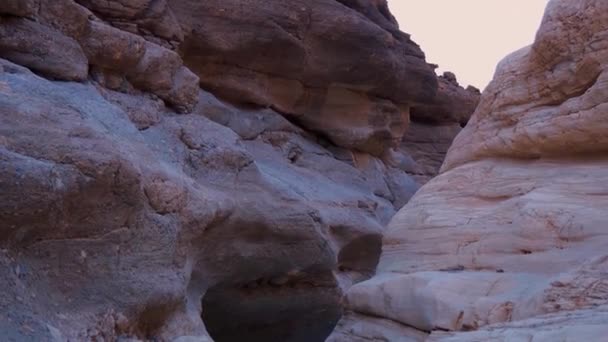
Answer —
176 170
509 242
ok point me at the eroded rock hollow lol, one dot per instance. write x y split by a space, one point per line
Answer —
194 170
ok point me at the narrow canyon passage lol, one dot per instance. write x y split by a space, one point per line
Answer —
509 242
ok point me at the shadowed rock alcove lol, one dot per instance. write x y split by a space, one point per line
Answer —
290 309
272 300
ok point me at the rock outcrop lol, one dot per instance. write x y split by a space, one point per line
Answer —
509 242
434 126
136 205
321 63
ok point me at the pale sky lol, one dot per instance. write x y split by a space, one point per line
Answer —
469 37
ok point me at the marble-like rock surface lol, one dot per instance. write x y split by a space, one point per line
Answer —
580 325
509 242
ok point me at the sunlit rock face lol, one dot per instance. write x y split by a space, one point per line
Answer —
509 242
198 170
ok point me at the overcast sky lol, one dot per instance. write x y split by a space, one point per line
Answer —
469 37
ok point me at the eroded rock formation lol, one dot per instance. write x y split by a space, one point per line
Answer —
134 202
509 242
434 126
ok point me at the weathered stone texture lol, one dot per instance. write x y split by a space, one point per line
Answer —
510 240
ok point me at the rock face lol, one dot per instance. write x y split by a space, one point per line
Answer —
136 205
510 240
434 126
321 63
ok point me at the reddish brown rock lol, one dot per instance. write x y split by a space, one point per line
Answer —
66 16
453 103
20 8
313 71
185 217
111 48
68 37
160 71
42 49
311 61
434 127
152 19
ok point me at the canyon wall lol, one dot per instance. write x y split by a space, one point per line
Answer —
509 242
187 170
434 126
